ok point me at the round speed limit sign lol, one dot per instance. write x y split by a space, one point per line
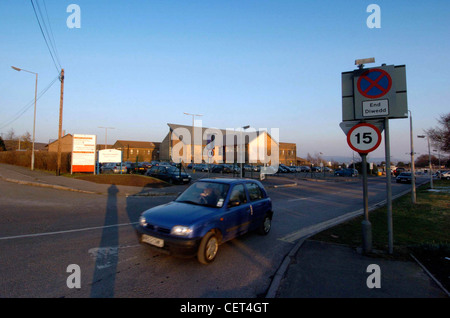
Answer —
364 138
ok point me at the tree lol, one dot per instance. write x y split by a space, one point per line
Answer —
440 135
2 145
424 161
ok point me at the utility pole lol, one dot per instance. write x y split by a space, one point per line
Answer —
58 169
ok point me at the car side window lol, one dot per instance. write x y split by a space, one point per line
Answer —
237 196
254 192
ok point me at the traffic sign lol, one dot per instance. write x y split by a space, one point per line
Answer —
364 138
374 93
374 83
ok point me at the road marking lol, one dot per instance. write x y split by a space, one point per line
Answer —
319 227
64 232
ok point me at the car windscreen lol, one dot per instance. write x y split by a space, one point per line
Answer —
211 194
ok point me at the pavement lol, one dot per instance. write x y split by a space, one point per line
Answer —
312 269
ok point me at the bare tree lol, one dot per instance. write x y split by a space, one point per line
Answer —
440 135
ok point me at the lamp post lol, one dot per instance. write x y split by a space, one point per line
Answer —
242 146
34 120
106 134
429 158
192 137
413 176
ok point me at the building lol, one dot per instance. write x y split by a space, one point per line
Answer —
288 153
138 150
212 145
66 144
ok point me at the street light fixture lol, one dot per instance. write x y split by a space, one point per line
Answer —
34 121
429 158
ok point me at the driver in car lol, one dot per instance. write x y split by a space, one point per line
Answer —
208 196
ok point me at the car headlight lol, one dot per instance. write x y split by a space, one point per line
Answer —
181 230
142 221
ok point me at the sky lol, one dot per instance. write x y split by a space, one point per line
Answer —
136 65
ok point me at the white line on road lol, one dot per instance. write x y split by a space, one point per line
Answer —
64 232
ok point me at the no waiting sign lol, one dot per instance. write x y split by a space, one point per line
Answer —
364 138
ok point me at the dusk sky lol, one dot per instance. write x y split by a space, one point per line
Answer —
138 65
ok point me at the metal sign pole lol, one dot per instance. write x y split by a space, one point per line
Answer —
388 184
366 225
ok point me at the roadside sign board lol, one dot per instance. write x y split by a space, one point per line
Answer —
109 155
372 93
364 138
83 153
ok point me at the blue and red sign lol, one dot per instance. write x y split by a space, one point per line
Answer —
374 83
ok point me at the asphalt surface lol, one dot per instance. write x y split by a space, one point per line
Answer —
311 270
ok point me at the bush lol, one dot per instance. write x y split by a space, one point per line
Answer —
42 160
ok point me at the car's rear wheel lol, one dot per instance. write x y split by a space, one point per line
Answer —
208 248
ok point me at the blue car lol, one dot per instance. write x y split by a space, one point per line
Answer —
207 214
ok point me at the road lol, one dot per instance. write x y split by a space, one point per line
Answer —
43 231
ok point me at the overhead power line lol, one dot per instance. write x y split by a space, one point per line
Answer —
24 109
51 47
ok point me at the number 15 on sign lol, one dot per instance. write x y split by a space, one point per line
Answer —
364 138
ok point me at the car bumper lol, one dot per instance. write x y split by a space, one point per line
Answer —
182 247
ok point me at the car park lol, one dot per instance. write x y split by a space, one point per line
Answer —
169 174
208 213
403 177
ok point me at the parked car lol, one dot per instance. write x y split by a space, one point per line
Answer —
404 177
169 174
210 212
200 167
445 175
111 167
346 172
305 169
223 168
140 167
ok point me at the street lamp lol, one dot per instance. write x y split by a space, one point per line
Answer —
192 137
242 146
34 121
106 134
429 158
413 176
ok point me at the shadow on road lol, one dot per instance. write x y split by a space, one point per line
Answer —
103 280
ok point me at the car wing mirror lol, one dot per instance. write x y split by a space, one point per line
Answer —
233 203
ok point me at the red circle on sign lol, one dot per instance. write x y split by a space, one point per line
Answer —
364 151
374 83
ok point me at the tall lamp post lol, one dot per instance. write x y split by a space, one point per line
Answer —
106 134
413 176
34 120
242 148
192 137
429 158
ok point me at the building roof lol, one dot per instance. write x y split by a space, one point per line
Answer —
224 132
136 144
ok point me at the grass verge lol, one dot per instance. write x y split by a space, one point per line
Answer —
422 229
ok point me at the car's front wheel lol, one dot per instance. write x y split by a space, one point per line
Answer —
208 248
